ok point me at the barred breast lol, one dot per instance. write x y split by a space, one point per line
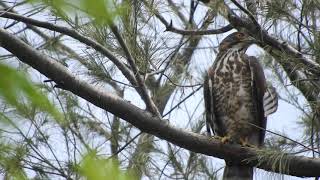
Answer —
233 97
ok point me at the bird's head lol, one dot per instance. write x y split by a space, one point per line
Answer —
238 40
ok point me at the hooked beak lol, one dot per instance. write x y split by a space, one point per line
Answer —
251 40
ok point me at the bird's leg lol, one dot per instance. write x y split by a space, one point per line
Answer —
226 139
245 142
216 137
222 139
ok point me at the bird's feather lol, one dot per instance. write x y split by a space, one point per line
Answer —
258 90
270 101
210 116
236 97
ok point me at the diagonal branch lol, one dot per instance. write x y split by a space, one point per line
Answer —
177 11
142 87
148 123
134 79
253 19
280 48
277 44
72 33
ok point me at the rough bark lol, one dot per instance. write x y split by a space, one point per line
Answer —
146 122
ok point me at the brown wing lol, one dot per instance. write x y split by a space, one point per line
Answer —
259 87
214 124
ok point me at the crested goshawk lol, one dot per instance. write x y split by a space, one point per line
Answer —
238 99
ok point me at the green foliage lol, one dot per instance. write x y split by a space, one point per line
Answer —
310 124
14 87
278 160
278 9
10 160
310 6
102 11
94 167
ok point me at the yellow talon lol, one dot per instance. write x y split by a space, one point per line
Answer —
216 137
245 142
225 139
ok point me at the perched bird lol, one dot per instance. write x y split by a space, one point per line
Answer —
238 99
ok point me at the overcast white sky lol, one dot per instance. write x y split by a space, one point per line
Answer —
284 120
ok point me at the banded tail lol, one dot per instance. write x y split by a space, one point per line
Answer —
270 101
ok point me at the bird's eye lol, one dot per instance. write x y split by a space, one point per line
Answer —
240 35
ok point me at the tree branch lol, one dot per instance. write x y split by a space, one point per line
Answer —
133 79
148 123
142 87
277 44
64 30
224 29
278 49
251 16
171 28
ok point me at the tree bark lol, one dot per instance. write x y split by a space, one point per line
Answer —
146 122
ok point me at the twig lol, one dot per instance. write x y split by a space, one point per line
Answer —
253 19
142 89
144 120
284 137
124 146
198 32
184 99
72 33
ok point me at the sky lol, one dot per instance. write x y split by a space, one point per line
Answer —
283 121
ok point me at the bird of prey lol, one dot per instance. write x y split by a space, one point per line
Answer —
238 99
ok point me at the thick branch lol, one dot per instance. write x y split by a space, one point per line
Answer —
64 30
134 80
262 35
275 43
278 49
281 47
145 121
